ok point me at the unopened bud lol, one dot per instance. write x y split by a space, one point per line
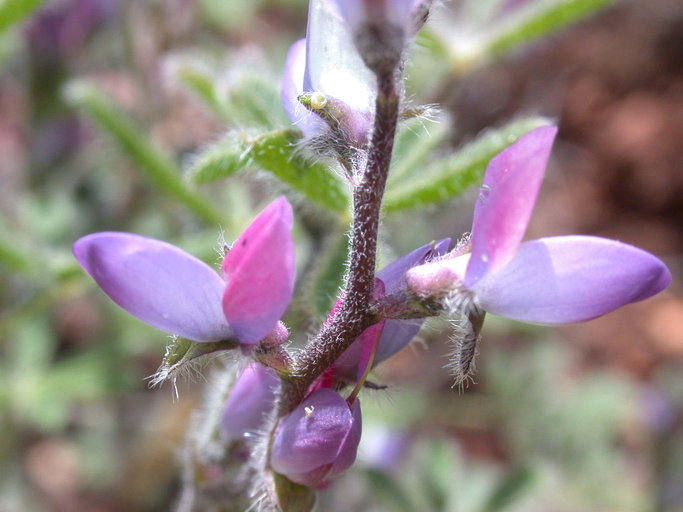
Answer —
318 440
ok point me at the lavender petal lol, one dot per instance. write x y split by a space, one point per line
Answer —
569 279
157 283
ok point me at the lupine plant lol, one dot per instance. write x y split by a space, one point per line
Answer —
290 421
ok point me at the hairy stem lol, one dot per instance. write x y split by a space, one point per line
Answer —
354 315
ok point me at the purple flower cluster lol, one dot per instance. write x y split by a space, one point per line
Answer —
326 87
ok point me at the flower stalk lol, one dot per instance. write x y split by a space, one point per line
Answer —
355 314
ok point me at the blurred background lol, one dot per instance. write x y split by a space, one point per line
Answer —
114 115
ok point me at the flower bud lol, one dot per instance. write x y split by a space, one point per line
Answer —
251 399
318 440
436 277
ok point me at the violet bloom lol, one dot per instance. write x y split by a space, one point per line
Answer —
327 66
175 292
394 335
251 399
318 440
553 280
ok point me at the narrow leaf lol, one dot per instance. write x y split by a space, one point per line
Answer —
537 20
158 166
451 176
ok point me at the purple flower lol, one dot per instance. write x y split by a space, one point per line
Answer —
393 334
551 280
318 440
175 292
327 65
251 398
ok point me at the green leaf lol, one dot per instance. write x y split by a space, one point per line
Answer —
220 160
537 20
159 167
274 152
13 11
451 176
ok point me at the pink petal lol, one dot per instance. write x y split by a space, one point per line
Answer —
156 282
259 269
571 279
506 200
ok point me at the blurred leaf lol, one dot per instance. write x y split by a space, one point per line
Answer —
451 176
243 98
13 11
220 160
84 376
438 469
328 276
538 19
202 83
272 152
254 99
509 490
389 492
157 166
29 351
416 139
230 15
11 256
